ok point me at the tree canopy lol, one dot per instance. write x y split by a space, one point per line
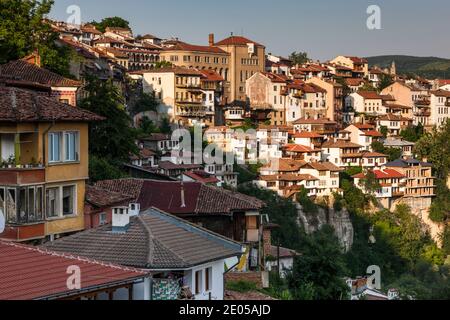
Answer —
299 57
23 31
111 22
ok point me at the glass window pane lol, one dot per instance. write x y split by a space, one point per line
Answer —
31 204
11 212
39 203
2 202
52 202
68 200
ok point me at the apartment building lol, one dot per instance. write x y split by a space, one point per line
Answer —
439 107
321 126
420 181
198 57
393 123
186 96
342 153
363 134
246 58
44 165
359 66
266 94
334 98
392 185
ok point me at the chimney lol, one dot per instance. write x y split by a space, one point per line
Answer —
211 39
134 209
120 219
183 202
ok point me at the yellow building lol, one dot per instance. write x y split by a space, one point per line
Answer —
43 165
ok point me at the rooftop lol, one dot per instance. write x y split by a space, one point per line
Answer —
17 105
35 273
154 240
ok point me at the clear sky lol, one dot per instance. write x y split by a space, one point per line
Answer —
323 28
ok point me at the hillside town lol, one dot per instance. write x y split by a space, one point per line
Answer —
174 224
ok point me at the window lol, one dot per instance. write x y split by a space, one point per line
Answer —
102 219
63 146
208 279
68 200
198 282
54 143
52 201
71 146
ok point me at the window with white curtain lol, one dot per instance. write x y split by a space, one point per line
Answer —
63 146
54 146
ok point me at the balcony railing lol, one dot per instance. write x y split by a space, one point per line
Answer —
189 101
19 176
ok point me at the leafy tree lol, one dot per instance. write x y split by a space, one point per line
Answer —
318 274
101 169
368 87
112 139
412 133
384 131
23 30
392 153
163 64
146 127
385 81
299 57
112 22
370 183
165 126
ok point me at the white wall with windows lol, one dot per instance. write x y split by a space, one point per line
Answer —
205 280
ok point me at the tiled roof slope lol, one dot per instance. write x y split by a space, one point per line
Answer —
154 240
33 273
166 196
22 70
18 105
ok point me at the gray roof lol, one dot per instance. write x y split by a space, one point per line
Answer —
154 240
400 163
394 142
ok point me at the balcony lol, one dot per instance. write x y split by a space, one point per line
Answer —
20 176
189 101
189 86
24 232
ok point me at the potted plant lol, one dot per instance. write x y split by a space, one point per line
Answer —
11 161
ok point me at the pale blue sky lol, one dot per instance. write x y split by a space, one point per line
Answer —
323 28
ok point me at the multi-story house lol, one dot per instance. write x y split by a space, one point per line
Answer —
246 58
28 72
44 154
373 160
355 84
328 175
392 185
224 173
201 58
439 107
367 102
406 147
364 135
420 181
359 66
182 96
321 126
266 94
340 71
334 98
289 184
342 153
393 123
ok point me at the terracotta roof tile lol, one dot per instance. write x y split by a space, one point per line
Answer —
18 105
236 40
22 70
34 273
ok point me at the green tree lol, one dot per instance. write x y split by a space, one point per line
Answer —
101 169
165 126
385 81
412 133
368 87
114 138
299 57
23 30
318 274
163 64
112 22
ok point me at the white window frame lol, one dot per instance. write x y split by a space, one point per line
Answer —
62 147
59 214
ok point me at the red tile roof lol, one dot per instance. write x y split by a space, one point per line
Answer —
314 121
31 273
382 174
307 134
18 105
370 95
236 40
199 198
211 75
202 176
373 133
297 148
354 82
25 71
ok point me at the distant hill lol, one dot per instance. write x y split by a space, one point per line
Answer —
428 67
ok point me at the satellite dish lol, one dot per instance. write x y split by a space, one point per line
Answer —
2 221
